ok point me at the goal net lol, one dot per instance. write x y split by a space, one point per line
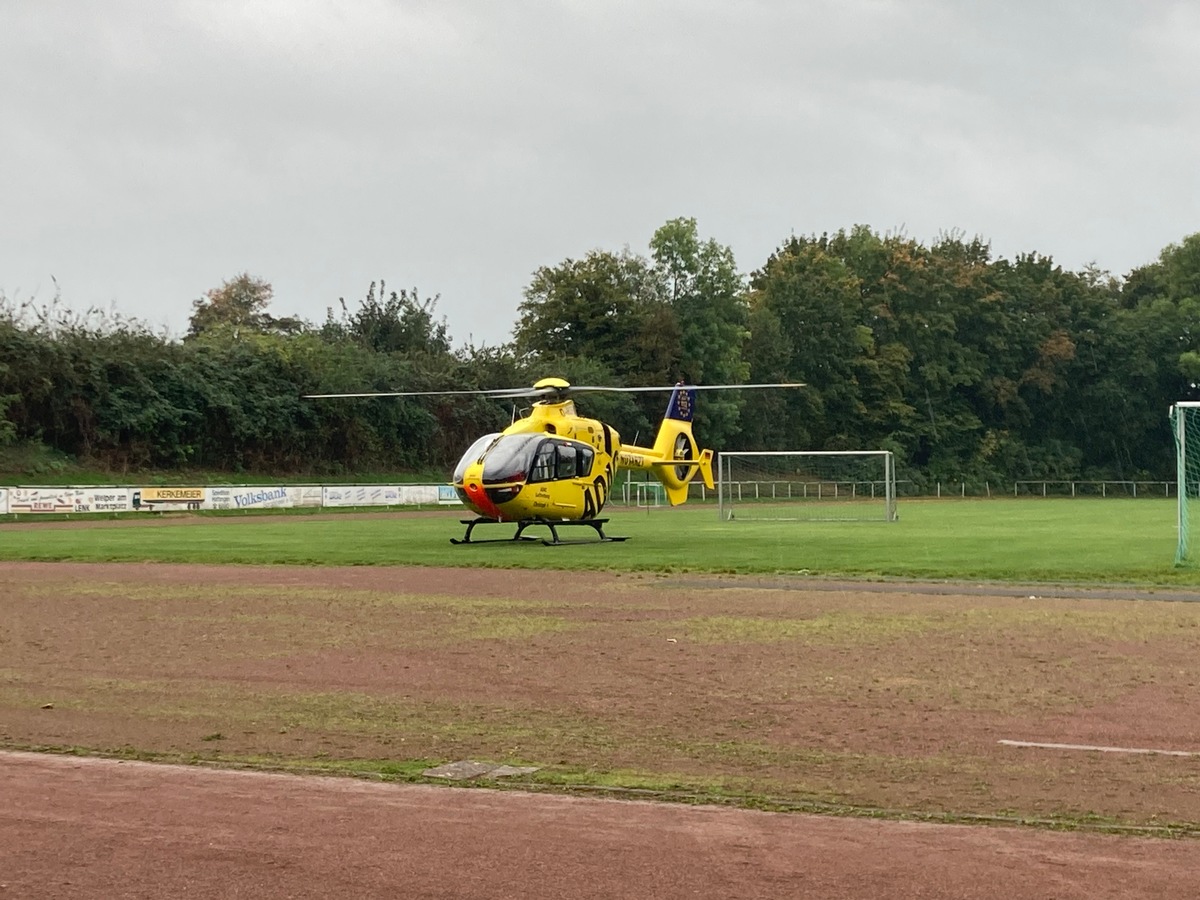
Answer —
847 485
1185 425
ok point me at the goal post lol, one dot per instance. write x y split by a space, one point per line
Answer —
807 485
1185 428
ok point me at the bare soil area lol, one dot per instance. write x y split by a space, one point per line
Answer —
888 700
882 700
73 827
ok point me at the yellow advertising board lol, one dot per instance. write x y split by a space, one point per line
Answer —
151 498
172 494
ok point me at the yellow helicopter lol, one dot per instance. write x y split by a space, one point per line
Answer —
555 468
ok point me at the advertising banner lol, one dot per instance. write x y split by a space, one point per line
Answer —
43 500
254 497
159 499
67 500
18 501
104 499
306 495
418 494
361 495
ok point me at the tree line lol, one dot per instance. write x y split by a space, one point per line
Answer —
967 367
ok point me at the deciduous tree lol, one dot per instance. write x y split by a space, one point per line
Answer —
239 304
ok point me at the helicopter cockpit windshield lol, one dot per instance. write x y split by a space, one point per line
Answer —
526 457
510 458
473 455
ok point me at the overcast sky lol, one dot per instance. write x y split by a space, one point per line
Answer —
151 149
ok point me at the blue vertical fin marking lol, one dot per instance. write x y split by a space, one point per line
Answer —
683 404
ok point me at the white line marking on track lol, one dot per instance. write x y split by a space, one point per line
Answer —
1099 749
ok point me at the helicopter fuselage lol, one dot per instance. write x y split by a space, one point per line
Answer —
552 464
556 464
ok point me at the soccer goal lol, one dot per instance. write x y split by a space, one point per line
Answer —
1185 425
846 485
649 494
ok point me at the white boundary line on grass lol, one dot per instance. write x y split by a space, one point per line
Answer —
1099 749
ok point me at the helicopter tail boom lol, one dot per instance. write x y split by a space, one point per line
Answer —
675 459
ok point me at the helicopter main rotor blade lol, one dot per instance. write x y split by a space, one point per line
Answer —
501 393
561 392
580 388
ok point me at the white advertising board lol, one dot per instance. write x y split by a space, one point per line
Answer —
153 498
103 499
361 495
307 495
263 497
42 500
67 500
418 494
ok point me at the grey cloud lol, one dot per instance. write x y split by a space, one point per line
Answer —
154 149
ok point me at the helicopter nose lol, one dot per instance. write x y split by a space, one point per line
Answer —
478 498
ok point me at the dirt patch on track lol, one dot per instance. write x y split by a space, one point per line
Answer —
881 697
96 828
842 696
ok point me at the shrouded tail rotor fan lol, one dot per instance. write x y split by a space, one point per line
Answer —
685 448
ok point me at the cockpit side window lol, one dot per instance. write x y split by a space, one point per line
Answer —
583 462
566 462
543 463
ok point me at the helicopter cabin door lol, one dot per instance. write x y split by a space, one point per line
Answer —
561 471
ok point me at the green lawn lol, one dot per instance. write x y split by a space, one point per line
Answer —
1081 540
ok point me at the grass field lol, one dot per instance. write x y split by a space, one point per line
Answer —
1092 540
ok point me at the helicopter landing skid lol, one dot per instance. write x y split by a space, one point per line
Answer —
552 524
